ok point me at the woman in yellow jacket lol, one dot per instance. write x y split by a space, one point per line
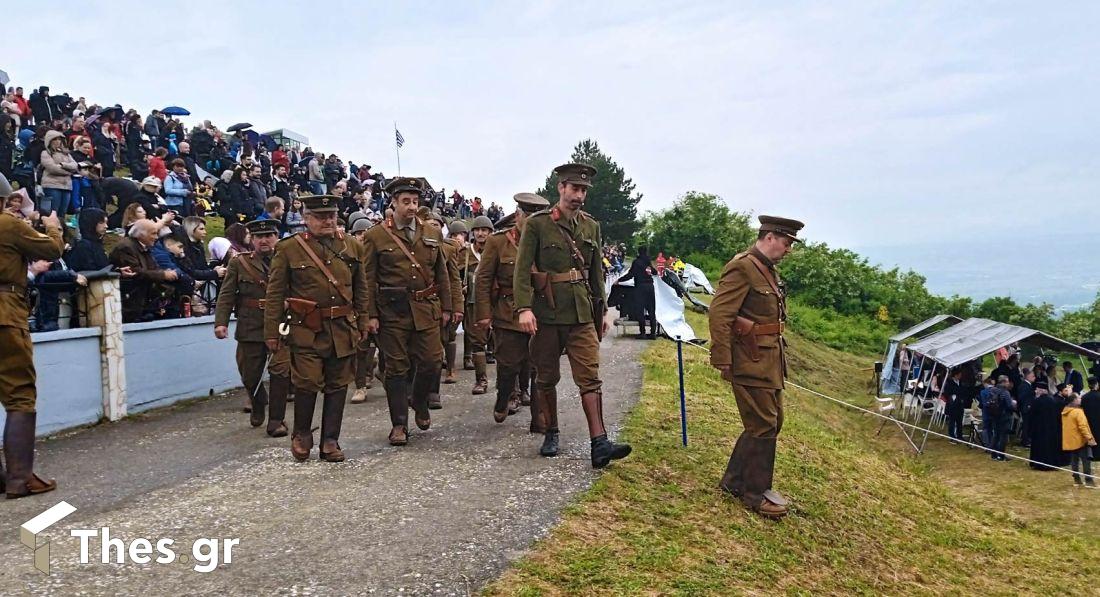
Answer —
1077 439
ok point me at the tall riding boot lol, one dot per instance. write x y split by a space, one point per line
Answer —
19 452
426 375
548 415
449 350
276 413
434 403
301 441
536 414
506 382
757 472
603 449
332 417
733 480
397 397
481 378
259 405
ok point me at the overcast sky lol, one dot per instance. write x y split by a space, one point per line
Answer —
873 122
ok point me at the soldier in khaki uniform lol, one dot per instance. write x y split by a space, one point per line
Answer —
560 303
243 291
410 300
474 337
364 354
746 330
450 250
456 239
317 288
19 245
496 306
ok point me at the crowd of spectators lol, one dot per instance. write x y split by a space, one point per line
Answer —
1043 405
135 194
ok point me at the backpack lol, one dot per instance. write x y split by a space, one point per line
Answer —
993 402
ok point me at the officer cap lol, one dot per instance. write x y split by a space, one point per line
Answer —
258 227
361 224
784 226
457 227
482 222
321 203
405 183
530 202
579 174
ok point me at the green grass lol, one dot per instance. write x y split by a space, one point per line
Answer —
868 517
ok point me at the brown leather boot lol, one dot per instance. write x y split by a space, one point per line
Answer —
505 389
481 378
301 441
276 413
426 376
732 481
332 418
757 471
258 406
19 452
397 398
449 350
399 436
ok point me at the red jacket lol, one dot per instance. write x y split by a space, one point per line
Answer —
157 168
280 157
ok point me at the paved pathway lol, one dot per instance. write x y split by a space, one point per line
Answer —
444 515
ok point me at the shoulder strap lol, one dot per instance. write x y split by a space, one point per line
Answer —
401 245
250 270
324 270
764 271
572 246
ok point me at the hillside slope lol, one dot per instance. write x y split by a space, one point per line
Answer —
868 518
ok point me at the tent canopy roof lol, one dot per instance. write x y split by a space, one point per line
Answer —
924 325
976 337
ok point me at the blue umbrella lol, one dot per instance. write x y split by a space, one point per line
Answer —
176 111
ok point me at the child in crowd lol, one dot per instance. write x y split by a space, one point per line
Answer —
1077 440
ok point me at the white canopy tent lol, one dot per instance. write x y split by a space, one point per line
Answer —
890 379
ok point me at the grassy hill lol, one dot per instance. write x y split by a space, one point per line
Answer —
868 517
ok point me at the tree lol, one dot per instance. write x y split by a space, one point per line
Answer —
697 224
612 200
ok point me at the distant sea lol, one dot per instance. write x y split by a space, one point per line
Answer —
1063 271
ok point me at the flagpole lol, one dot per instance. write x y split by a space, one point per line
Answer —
397 148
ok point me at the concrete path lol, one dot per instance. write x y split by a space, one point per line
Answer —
444 515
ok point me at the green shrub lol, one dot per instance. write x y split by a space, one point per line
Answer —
856 334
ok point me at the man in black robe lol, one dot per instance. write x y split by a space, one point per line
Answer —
1025 397
1045 420
1090 403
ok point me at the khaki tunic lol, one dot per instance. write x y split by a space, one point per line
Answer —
744 291
387 265
318 359
239 286
451 249
19 244
543 246
495 298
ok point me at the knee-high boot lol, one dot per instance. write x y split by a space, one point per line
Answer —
276 413
548 416
259 405
603 449
506 382
301 441
19 452
332 418
397 397
426 375
449 350
481 377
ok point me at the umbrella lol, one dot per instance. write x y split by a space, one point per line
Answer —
91 119
115 111
176 111
4 78
239 127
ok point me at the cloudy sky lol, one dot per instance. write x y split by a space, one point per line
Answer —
876 123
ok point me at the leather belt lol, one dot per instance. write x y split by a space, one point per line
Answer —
427 293
768 329
253 303
573 276
336 312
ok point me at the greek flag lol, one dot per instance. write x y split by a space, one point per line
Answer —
400 139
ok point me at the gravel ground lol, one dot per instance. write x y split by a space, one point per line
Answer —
444 515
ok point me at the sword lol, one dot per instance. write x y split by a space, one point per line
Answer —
284 331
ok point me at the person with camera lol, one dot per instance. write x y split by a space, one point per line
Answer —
21 245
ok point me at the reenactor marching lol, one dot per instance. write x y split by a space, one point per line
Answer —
410 300
561 303
244 292
747 317
19 245
365 352
474 337
456 239
495 307
447 333
316 292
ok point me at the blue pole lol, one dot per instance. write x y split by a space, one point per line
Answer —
683 399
